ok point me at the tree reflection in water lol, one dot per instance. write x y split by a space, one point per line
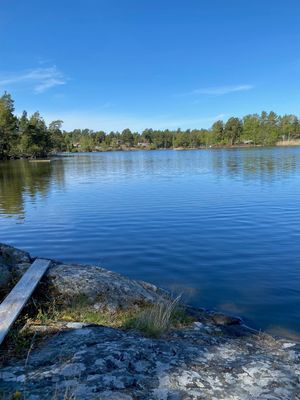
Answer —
22 179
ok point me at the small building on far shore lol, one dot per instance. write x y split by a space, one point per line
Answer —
248 142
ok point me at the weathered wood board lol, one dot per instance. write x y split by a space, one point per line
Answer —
12 305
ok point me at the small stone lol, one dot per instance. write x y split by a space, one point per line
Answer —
223 319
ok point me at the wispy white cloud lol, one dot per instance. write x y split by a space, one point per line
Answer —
117 122
39 79
218 90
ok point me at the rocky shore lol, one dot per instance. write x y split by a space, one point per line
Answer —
208 355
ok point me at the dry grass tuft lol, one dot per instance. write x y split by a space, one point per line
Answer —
157 319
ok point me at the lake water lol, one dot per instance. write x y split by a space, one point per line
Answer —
220 226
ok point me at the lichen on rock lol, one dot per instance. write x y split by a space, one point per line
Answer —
105 363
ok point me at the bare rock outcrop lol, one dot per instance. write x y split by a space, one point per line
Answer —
215 357
203 361
104 289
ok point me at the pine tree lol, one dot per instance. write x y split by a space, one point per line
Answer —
8 127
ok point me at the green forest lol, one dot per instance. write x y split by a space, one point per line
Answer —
28 136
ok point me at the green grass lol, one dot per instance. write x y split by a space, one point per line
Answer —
81 310
152 321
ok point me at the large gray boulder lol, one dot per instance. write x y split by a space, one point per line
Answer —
13 263
103 289
13 256
106 290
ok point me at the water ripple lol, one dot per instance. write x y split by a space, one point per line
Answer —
222 225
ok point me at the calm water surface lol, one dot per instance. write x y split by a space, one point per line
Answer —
221 226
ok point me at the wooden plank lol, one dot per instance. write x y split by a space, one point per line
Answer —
12 305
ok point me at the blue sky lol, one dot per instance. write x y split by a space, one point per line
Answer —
112 64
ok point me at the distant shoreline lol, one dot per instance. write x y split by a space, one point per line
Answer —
285 143
292 143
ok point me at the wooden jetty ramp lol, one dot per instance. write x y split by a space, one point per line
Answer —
12 305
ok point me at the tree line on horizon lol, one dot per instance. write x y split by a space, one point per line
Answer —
30 137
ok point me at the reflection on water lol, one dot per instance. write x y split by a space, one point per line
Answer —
21 179
260 164
220 226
